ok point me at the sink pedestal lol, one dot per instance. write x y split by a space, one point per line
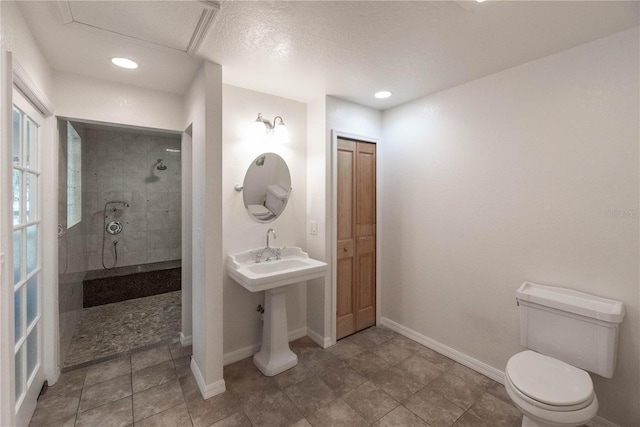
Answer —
275 356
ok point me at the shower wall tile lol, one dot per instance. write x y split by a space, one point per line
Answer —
121 165
133 241
168 253
132 258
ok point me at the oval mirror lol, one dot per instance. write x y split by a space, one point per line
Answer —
266 187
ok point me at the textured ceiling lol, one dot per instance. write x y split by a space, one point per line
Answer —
350 49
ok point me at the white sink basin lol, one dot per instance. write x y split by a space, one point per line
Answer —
293 267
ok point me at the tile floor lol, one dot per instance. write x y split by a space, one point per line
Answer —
106 331
375 377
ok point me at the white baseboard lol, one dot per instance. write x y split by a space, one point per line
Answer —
468 361
324 342
207 390
185 341
250 350
463 359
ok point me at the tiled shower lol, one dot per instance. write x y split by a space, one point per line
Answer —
107 164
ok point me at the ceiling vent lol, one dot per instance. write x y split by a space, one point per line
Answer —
175 26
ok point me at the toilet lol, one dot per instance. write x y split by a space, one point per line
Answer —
567 333
275 202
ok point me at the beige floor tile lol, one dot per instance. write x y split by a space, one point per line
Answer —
178 351
293 375
183 366
57 409
496 412
216 408
370 402
393 353
239 419
368 364
150 357
156 399
107 370
436 358
341 379
458 391
407 343
346 349
433 408
178 416
421 369
317 359
499 391
115 414
105 392
336 413
310 394
400 417
397 383
469 420
153 376
471 376
271 410
69 383
378 334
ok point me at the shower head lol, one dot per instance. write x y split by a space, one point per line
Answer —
160 165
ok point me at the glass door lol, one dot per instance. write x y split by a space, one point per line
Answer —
27 257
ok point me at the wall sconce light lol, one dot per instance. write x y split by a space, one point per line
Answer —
277 129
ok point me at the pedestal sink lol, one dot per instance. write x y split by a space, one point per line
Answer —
273 276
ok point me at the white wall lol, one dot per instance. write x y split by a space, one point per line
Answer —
87 98
318 246
17 38
243 326
528 174
203 112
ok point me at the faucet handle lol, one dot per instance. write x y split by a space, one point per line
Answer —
258 256
278 252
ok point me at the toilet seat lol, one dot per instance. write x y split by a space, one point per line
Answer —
260 211
548 383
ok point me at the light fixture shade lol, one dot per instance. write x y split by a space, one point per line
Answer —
281 133
258 130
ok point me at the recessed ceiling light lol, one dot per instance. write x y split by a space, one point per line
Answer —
480 1
125 63
382 94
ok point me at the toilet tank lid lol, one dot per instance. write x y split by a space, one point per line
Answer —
572 301
278 191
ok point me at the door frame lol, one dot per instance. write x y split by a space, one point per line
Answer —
15 76
335 134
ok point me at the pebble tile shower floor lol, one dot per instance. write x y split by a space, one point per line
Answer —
109 330
375 377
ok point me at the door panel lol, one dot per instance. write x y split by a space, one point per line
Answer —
356 281
27 257
345 319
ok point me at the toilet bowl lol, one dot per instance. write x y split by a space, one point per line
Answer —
567 333
549 392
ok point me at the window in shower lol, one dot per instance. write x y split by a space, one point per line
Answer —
74 176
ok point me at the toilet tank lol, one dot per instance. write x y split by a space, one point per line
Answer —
577 328
276 198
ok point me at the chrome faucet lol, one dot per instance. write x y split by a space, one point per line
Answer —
273 251
271 230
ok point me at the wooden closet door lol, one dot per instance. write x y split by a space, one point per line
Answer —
356 250
365 296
